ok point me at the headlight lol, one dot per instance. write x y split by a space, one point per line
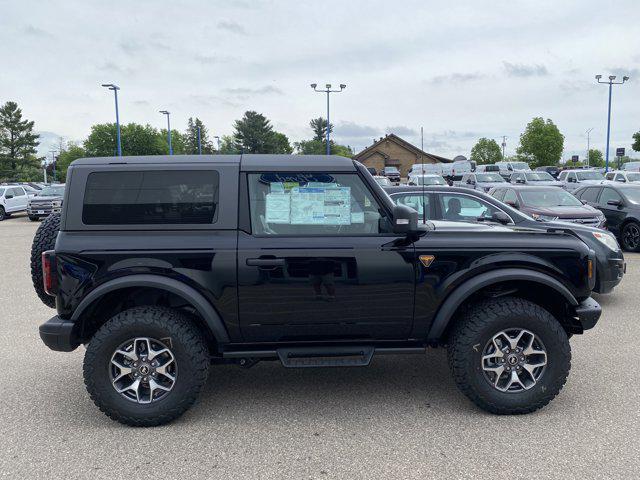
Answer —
56 203
544 218
608 239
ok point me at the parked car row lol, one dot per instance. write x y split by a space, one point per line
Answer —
16 198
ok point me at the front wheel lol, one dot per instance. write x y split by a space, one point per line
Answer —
631 237
509 356
146 366
34 218
3 213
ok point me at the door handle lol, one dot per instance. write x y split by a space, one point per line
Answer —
265 262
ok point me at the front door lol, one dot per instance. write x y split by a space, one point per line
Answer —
614 214
319 262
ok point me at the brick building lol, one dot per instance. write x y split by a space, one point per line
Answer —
392 151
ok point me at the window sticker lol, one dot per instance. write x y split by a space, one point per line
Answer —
278 208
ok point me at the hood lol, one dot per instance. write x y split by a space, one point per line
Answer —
591 182
546 183
491 184
46 198
582 211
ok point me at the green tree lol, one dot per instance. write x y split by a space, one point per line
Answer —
136 140
541 143
254 134
191 137
319 127
72 152
636 142
228 145
178 142
18 145
486 151
595 158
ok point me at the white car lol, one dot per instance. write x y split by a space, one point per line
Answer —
426 179
623 176
13 199
382 181
574 179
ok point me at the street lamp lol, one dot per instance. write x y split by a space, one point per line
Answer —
115 89
168 114
611 83
199 142
327 90
218 140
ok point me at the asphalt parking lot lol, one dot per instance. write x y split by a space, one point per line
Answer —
400 418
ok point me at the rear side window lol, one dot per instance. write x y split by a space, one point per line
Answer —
151 197
590 194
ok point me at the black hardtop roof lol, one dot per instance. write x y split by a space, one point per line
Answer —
247 162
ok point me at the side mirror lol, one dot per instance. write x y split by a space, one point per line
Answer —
571 180
470 182
500 217
520 180
615 203
8 196
405 219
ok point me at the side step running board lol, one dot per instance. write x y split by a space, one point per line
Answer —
307 357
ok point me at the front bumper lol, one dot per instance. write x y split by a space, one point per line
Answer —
37 211
59 334
609 274
585 315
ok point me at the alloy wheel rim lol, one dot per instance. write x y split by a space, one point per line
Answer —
632 236
143 370
514 360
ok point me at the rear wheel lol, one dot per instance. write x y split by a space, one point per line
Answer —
44 239
631 237
509 356
146 366
3 213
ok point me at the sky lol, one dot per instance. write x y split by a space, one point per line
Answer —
460 70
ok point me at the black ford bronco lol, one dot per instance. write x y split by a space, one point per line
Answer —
164 265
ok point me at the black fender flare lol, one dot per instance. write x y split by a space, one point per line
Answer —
189 294
469 287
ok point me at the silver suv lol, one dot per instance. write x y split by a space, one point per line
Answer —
573 179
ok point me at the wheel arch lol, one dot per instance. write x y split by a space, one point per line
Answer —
212 321
516 279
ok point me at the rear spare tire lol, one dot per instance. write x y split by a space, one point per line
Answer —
44 239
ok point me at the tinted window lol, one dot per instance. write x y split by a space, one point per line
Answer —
499 194
18 192
609 194
151 197
462 208
313 204
590 194
562 175
416 201
489 177
590 175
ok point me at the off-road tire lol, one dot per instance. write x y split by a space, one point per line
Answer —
625 243
33 218
44 239
3 213
478 325
187 344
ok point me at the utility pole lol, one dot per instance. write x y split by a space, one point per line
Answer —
168 114
328 90
504 146
115 89
588 148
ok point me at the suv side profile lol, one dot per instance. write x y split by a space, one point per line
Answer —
163 265
13 199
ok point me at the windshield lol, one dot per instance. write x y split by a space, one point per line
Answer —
632 194
538 177
1 191
384 181
520 166
555 197
391 170
52 191
489 177
429 181
589 176
633 177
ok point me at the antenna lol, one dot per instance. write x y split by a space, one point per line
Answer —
424 207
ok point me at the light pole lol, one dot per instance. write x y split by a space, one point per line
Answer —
588 132
328 90
199 142
168 114
218 140
53 162
115 89
504 145
611 83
